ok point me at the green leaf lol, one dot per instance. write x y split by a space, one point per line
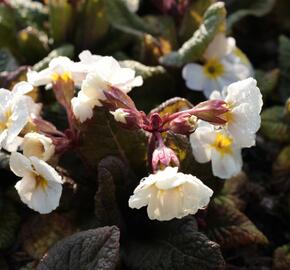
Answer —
112 194
7 26
41 232
267 81
7 61
164 27
194 48
193 18
30 13
121 18
9 222
33 44
101 137
60 19
176 245
64 50
93 25
173 105
158 85
284 64
274 126
282 258
229 227
257 8
87 250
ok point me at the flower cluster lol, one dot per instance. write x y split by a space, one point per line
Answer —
217 128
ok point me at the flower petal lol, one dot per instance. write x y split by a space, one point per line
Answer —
19 164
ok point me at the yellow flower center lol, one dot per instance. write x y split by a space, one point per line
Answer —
6 122
213 69
228 116
65 76
223 144
41 182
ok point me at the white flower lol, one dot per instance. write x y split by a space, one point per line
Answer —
59 66
120 115
224 64
245 102
37 145
132 5
208 143
40 187
15 112
170 194
107 74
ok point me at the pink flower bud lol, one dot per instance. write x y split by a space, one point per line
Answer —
127 118
184 124
212 111
163 157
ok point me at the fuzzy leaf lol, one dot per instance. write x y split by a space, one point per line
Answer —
60 13
194 48
284 64
121 18
274 126
7 26
33 45
267 81
64 50
30 13
94 24
7 61
193 18
178 247
113 180
41 232
173 105
282 258
87 250
9 221
257 8
101 136
231 228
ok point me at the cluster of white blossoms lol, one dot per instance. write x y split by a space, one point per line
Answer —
166 192
92 74
40 186
223 64
222 144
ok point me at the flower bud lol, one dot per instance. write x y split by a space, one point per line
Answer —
127 118
213 111
38 145
184 124
163 157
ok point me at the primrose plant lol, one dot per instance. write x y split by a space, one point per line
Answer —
217 129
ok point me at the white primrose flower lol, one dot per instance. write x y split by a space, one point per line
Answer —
209 143
107 73
37 145
59 66
40 187
132 5
15 111
170 194
244 100
224 64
